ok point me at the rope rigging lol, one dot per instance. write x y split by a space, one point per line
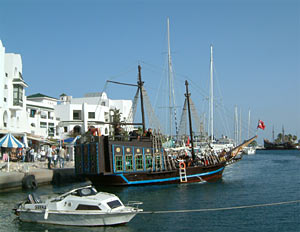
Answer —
221 209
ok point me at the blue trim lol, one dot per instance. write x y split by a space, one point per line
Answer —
153 159
133 160
113 152
124 161
167 179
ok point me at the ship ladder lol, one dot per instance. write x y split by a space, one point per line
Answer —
182 172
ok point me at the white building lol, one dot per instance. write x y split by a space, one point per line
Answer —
94 109
41 116
12 93
16 111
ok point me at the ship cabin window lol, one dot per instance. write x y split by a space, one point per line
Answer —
157 161
114 204
128 163
139 162
119 163
87 207
148 161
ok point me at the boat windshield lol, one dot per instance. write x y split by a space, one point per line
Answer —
85 192
114 204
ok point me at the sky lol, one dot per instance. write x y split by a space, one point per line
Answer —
74 46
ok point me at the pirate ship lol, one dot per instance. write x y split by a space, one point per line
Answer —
141 160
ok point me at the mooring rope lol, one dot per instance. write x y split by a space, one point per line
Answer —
221 209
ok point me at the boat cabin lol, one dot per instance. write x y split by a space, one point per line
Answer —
100 155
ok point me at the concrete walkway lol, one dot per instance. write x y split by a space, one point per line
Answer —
12 179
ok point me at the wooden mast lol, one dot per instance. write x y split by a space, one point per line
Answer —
140 85
187 95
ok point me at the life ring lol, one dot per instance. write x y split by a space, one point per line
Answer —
29 182
182 165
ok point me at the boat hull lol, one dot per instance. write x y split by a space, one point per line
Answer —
77 219
193 174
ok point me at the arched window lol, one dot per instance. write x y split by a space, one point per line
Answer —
77 129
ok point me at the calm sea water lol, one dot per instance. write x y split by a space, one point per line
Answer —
267 177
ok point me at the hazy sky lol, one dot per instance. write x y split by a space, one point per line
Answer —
74 46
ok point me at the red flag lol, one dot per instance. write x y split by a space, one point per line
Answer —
188 142
261 125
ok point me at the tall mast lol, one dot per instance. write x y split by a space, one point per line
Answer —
211 96
171 86
187 95
273 134
240 132
236 126
140 85
249 124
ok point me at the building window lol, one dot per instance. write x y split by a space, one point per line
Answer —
92 115
119 163
18 95
32 113
106 131
76 114
102 103
43 125
5 99
128 163
6 74
65 129
50 115
139 162
44 114
51 129
5 87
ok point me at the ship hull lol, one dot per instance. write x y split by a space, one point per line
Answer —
279 146
193 174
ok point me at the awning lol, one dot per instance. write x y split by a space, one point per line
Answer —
10 141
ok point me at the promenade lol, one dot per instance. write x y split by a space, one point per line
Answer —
12 179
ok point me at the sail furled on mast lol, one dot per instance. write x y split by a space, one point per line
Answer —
133 109
183 129
153 121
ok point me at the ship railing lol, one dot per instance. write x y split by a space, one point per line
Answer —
134 204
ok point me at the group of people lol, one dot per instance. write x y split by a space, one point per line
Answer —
56 156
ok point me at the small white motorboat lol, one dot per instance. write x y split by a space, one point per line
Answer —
249 150
78 207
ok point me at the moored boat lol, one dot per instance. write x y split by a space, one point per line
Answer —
78 207
143 161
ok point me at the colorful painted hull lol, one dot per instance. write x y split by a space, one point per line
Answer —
193 174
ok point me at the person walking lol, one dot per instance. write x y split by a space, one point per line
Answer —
62 157
49 156
31 152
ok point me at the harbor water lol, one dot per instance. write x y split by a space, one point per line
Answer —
267 177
